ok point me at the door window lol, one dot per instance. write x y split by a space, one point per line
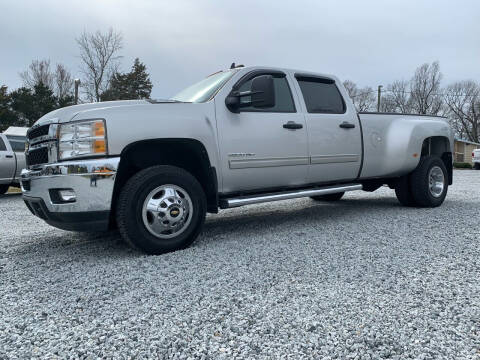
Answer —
283 96
321 95
17 143
2 145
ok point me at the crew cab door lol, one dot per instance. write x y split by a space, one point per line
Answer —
7 162
334 133
17 143
262 148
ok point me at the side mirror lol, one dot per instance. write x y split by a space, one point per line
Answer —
262 95
232 101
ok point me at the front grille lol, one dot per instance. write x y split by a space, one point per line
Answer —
37 156
38 131
39 142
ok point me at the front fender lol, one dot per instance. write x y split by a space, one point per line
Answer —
130 124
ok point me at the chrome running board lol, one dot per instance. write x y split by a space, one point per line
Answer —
257 199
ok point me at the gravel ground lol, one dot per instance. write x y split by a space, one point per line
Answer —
362 279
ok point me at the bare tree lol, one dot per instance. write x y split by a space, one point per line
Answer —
59 81
38 72
63 82
425 89
463 101
99 55
363 99
398 98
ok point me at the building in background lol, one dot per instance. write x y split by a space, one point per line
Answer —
463 150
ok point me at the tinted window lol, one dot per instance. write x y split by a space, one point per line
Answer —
283 96
321 96
2 145
17 143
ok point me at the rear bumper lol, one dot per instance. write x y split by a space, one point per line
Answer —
91 180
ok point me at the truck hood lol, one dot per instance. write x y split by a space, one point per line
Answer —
67 113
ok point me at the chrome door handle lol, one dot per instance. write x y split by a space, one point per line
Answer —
346 125
9 156
292 125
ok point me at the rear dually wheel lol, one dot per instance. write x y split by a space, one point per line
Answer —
429 182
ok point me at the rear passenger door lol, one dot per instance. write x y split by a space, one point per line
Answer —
334 134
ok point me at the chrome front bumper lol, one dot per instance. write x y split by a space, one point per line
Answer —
91 180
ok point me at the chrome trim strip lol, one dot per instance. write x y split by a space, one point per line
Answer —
291 161
99 167
40 140
329 159
236 202
268 162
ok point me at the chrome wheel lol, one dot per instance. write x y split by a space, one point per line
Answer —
436 181
167 211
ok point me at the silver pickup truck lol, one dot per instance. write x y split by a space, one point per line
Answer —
242 136
12 160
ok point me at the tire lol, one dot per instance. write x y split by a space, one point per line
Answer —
429 182
329 197
4 188
477 166
403 191
171 193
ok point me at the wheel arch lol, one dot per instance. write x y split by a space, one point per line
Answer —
440 146
186 153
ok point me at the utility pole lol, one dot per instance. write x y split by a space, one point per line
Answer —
77 84
379 97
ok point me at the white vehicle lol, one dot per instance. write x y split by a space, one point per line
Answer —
476 159
12 157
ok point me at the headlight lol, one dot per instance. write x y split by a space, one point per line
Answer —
82 138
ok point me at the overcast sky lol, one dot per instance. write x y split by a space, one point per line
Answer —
369 42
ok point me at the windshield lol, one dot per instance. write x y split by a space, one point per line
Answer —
204 90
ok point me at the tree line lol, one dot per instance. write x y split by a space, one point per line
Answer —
47 87
423 93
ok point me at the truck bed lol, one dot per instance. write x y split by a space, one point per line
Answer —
392 144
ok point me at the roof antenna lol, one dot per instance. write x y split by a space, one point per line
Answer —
233 66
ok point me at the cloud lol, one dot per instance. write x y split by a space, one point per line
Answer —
370 42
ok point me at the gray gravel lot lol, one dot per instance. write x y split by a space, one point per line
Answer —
362 279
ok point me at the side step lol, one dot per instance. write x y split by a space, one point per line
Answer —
257 199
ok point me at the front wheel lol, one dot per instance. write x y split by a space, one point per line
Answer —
429 182
161 209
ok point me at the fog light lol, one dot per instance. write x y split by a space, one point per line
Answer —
67 195
62 196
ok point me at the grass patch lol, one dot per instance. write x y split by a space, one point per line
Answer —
462 165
